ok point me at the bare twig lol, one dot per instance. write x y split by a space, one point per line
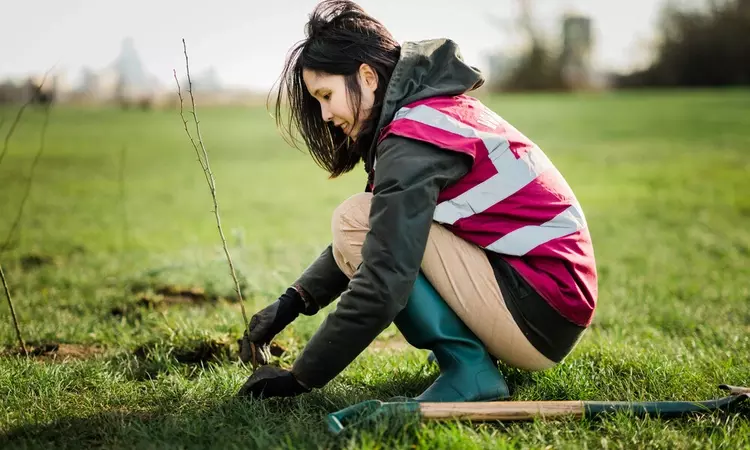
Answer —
121 180
29 181
12 129
18 118
13 313
192 141
203 160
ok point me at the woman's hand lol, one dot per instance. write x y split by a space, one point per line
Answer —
266 324
271 381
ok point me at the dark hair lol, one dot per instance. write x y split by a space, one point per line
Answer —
340 37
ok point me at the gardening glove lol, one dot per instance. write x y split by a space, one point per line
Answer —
266 324
271 381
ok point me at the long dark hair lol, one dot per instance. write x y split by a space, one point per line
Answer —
340 37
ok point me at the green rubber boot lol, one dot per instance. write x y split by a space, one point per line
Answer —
467 371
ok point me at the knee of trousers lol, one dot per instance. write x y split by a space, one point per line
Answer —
350 223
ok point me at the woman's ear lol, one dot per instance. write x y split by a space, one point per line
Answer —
368 77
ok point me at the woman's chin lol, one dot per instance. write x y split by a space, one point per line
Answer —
353 134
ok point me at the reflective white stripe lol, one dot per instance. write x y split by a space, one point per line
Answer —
512 173
434 118
525 239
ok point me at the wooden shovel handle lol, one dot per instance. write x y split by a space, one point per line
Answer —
735 390
511 411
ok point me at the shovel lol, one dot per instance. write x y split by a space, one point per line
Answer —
517 411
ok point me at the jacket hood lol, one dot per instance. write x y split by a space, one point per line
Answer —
425 69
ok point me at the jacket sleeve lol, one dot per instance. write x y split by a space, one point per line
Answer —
408 179
321 282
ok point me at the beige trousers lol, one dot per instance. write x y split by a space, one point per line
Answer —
458 270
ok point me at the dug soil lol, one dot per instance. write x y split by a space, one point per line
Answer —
164 297
55 352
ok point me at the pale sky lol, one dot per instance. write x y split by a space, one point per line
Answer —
247 40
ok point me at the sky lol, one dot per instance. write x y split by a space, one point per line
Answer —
246 40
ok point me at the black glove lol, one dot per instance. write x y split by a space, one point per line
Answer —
271 381
266 324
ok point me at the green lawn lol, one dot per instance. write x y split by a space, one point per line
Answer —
664 179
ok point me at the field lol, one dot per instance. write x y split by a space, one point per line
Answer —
117 259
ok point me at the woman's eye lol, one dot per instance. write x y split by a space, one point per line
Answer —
327 97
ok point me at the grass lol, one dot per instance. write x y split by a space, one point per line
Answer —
663 179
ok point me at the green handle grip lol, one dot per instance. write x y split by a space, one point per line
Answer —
365 411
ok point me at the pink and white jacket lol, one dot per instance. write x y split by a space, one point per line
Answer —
513 201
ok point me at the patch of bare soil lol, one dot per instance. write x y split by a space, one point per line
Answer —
152 359
163 297
201 351
56 352
33 261
179 294
395 344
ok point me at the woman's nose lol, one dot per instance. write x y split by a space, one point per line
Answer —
327 116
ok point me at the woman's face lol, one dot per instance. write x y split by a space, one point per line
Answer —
331 93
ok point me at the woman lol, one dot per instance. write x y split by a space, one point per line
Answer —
467 237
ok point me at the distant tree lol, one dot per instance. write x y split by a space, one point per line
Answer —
538 68
709 46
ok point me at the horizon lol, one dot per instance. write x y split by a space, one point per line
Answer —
216 33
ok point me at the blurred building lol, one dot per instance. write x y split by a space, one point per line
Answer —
575 58
124 81
131 74
205 82
98 86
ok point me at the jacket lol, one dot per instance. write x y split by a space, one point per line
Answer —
513 201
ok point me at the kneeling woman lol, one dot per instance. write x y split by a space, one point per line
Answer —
467 237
